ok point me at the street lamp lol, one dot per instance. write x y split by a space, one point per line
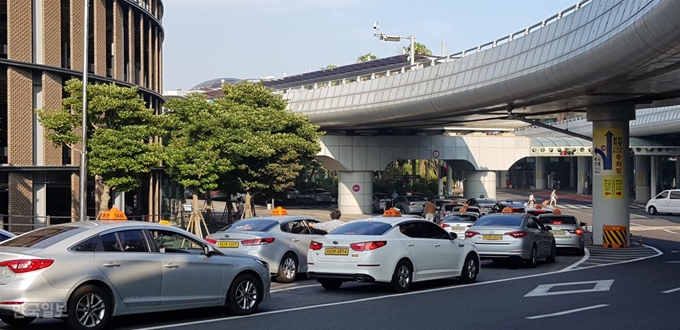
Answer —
83 155
385 37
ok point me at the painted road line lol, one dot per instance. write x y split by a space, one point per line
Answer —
672 262
576 264
567 312
671 290
294 288
544 289
355 301
670 231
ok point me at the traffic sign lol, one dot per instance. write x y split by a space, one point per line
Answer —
612 187
356 188
435 154
608 156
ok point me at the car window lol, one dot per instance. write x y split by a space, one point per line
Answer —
295 227
363 228
416 198
675 194
171 242
460 218
43 237
89 245
558 220
430 230
256 224
411 229
3 237
531 224
662 195
539 224
499 220
124 241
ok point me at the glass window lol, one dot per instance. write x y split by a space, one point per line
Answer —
416 199
295 227
89 245
430 230
531 224
459 218
171 242
555 220
538 224
43 237
662 195
124 241
261 225
499 220
411 230
363 228
675 194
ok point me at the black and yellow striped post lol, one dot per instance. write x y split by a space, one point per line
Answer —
614 236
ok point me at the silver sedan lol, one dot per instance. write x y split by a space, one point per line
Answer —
88 272
512 235
567 231
457 222
280 240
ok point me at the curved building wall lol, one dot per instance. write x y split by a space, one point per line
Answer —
41 47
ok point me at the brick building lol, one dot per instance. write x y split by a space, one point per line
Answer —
42 48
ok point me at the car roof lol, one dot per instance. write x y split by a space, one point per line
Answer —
281 218
391 220
553 215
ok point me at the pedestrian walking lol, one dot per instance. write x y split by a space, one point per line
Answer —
532 200
553 198
429 210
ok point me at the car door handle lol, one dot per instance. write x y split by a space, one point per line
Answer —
111 265
173 266
437 245
410 244
295 240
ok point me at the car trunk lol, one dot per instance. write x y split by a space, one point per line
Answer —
493 235
12 253
232 240
337 248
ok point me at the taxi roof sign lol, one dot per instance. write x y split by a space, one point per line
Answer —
507 209
279 211
392 212
539 206
463 209
557 211
113 214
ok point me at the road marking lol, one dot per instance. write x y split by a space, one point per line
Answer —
672 262
294 288
567 312
347 302
670 231
576 264
544 289
671 290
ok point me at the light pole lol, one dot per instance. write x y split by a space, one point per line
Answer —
385 37
83 155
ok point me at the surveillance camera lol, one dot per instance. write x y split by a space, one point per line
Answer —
375 25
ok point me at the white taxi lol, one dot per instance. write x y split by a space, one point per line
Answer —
392 250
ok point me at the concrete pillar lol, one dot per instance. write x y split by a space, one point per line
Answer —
480 183
677 171
440 179
582 175
119 201
653 175
642 189
539 171
355 192
572 172
502 176
39 203
449 179
611 161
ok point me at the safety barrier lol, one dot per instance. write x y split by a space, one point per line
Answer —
614 236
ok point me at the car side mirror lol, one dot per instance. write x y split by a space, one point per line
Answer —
453 236
548 228
208 250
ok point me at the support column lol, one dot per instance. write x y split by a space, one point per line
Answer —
355 192
653 175
440 179
449 179
581 168
539 171
611 161
480 183
39 200
572 172
642 189
119 201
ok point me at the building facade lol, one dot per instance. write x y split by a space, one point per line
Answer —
41 48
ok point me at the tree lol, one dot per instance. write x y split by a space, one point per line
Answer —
366 57
329 67
419 48
278 144
120 128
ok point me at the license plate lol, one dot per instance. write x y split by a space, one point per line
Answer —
337 251
227 244
558 232
458 228
492 237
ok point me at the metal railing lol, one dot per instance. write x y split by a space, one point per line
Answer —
459 55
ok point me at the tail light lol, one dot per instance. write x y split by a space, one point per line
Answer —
444 225
470 233
556 222
411 204
26 265
211 241
257 241
517 234
577 231
315 245
367 246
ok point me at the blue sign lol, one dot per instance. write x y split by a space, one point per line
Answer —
606 158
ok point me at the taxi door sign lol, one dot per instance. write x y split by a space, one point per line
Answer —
113 214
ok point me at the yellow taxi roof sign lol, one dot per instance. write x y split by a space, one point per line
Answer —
279 211
557 211
164 222
462 209
507 209
391 213
113 214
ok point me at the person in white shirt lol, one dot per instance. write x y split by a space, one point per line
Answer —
331 225
553 198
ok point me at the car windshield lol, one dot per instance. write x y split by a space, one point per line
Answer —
43 237
251 225
499 220
486 201
362 228
558 220
415 199
460 218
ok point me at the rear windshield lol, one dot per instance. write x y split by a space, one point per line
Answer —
251 225
499 220
362 228
415 198
460 218
558 220
486 201
538 212
43 237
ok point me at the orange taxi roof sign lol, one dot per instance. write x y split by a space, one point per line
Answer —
279 211
391 213
557 211
507 209
538 207
463 209
113 214
466 204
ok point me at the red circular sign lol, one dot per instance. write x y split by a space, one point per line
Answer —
356 188
603 148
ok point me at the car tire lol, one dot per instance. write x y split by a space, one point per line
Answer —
553 253
330 284
470 269
402 277
17 321
533 259
89 300
244 295
288 268
652 210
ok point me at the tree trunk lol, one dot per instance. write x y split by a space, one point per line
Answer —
104 199
196 221
230 212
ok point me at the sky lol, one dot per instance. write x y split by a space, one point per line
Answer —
252 39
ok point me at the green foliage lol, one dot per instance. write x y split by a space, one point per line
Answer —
366 57
329 67
419 48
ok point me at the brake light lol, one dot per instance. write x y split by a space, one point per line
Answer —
211 241
367 246
257 241
470 233
556 222
315 245
577 231
517 234
26 265
444 225
411 204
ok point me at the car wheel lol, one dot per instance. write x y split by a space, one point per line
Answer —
330 284
470 269
533 259
90 307
17 321
553 253
245 294
402 277
652 210
287 268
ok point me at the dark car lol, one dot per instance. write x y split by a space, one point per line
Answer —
516 207
484 204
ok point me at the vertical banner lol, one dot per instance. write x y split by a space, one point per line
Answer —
608 161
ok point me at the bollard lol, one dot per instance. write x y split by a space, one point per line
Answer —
640 240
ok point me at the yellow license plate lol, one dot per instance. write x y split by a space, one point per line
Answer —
337 251
492 237
457 228
227 244
558 232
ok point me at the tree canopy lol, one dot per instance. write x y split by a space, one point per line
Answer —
366 57
419 49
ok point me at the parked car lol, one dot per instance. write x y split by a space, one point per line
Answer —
566 229
88 272
5 235
484 204
457 222
516 207
409 204
381 202
668 201
288 195
314 196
